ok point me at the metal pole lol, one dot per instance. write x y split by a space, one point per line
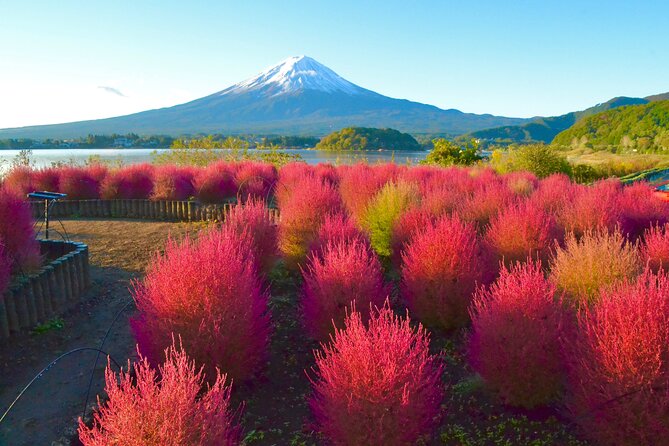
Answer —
46 217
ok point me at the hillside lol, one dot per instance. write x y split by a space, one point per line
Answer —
298 96
545 129
644 128
362 138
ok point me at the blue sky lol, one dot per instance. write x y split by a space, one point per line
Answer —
514 58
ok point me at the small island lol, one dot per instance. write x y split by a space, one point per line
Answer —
365 138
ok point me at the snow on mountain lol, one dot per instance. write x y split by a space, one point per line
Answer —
294 74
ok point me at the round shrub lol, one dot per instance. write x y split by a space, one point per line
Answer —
252 219
641 209
598 260
336 228
215 183
19 180
81 183
358 185
302 214
168 407
655 248
128 183
594 207
521 231
345 275
516 330
255 181
377 385
553 193
619 368
441 267
408 224
46 179
383 211
173 183
17 233
485 203
207 292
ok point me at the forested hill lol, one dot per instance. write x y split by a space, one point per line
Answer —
644 128
545 129
363 138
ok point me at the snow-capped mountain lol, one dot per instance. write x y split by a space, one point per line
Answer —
298 96
295 74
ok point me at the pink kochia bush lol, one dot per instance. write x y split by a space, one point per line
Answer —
641 209
345 275
17 234
337 228
209 293
173 183
19 180
132 182
255 180
442 266
215 183
516 330
619 368
46 179
594 207
523 230
302 214
81 183
408 224
252 219
167 407
655 248
377 384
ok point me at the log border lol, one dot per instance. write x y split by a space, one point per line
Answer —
55 288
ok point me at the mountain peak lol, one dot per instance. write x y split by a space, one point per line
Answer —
294 74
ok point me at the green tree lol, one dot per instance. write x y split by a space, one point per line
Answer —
448 153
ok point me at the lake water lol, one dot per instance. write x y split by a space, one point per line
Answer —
44 157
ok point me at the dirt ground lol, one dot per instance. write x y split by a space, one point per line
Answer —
48 411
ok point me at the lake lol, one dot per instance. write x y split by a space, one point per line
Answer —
44 157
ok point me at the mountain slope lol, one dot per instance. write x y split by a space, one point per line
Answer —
297 96
545 129
636 127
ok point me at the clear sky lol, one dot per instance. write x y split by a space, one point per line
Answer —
70 60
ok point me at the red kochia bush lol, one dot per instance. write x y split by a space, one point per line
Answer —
515 341
46 179
173 183
441 268
358 185
19 180
408 224
81 183
302 213
252 219
337 228
594 207
523 230
486 202
641 209
619 377
132 182
17 234
163 408
215 183
346 274
655 248
209 293
377 385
